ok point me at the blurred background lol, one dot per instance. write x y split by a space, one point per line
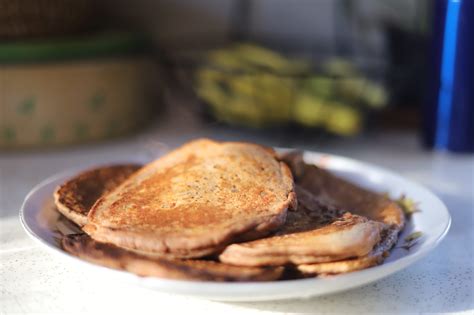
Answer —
313 72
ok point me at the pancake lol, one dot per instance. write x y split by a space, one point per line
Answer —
82 246
75 198
333 190
195 200
375 257
314 233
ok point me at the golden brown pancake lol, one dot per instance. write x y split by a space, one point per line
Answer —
195 200
75 198
82 246
320 217
331 189
314 233
375 257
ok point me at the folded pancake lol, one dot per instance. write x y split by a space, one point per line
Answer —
75 198
82 246
314 233
375 257
331 189
196 200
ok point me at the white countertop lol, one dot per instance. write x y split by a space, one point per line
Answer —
35 281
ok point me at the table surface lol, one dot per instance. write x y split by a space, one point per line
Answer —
35 281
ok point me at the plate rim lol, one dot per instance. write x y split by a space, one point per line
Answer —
213 287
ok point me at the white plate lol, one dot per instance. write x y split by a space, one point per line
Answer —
40 221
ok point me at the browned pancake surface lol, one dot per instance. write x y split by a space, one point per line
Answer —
195 200
75 198
341 193
331 189
323 200
375 257
313 233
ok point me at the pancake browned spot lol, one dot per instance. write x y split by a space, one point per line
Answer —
75 198
82 246
314 233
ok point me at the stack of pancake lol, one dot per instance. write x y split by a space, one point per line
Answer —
227 211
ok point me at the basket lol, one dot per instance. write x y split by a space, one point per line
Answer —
75 91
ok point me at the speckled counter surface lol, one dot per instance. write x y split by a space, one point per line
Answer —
34 281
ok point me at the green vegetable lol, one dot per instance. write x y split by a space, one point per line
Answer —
413 236
408 205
